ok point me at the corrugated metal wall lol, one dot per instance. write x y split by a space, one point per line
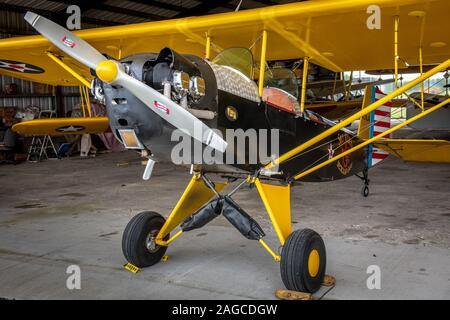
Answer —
71 101
12 24
21 101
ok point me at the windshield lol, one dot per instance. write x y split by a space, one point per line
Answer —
283 79
240 59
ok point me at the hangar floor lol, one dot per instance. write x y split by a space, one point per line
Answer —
58 213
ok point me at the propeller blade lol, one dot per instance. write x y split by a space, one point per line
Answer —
65 40
113 72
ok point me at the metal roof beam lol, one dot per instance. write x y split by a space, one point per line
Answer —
160 4
55 16
267 2
202 8
99 5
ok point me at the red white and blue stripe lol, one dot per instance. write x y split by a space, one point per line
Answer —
380 121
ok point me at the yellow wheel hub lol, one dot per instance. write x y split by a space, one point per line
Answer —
107 71
313 263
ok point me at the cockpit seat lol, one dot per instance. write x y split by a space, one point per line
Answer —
280 99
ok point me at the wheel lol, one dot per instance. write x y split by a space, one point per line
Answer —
303 261
138 239
365 191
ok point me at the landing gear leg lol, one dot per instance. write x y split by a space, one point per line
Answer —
303 254
147 235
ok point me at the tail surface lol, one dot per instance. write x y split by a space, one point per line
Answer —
375 123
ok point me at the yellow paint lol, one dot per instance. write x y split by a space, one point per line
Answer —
166 243
83 107
437 151
195 196
277 201
231 113
87 100
44 127
262 63
131 267
358 115
107 71
396 56
208 48
438 44
69 69
130 139
304 82
338 104
301 29
369 141
276 257
313 263
422 86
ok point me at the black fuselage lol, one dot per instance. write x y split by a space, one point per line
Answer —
127 112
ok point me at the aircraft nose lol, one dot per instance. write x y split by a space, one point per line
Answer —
107 71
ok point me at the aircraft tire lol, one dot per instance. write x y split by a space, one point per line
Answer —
137 236
303 261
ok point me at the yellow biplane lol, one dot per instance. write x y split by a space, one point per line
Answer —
196 76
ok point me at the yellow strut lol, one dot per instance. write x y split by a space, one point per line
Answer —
358 115
166 243
396 57
269 250
422 87
381 135
87 100
194 196
208 48
69 69
277 201
83 109
262 63
304 81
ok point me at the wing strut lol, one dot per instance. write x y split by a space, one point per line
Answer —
262 63
304 81
69 69
443 66
369 141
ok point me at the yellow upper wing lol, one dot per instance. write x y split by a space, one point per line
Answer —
333 33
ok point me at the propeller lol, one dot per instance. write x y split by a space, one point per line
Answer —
113 72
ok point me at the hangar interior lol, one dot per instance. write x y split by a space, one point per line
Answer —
65 202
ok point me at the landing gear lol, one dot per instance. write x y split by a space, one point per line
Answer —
138 240
303 261
365 188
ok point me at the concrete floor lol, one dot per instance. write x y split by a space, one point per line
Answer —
59 213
